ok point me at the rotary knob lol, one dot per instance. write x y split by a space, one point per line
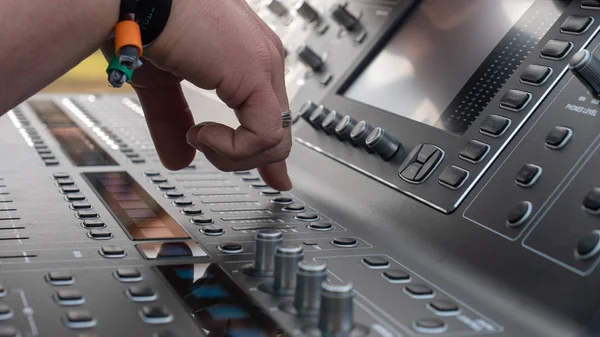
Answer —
360 132
287 257
277 8
306 11
309 277
344 128
343 17
265 244
336 314
330 122
306 110
586 67
317 116
382 143
310 58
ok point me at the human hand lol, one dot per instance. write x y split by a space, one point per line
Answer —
218 45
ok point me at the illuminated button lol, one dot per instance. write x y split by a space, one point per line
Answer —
589 246
79 319
65 182
535 74
307 217
201 220
112 252
60 278
93 224
558 137
515 100
158 180
6 312
75 197
151 173
191 211
430 326
9 331
576 24
376 262
86 214
444 307
69 297
80 205
166 187
419 290
474 151
99 234
174 194
156 315
494 125
294 208
591 202
556 49
231 248
183 203
453 177
141 294
345 242
270 192
319 226
259 185
282 200
69 189
396 276
519 214
528 175
128 275
212 230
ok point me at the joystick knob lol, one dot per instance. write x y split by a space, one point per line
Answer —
287 257
382 143
277 8
306 11
343 17
310 276
317 116
336 315
310 58
360 132
265 244
586 67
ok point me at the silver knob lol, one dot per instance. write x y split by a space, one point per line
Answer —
287 257
310 58
343 17
336 315
360 132
317 116
344 128
265 244
277 8
306 110
330 122
310 276
306 11
382 143
586 67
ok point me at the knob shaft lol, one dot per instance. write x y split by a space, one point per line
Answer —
310 58
336 315
360 132
586 67
265 244
344 128
343 17
330 122
306 11
277 8
310 276
306 110
317 116
382 143
287 257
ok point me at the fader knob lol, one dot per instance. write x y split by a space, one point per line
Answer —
310 58
287 257
310 276
360 132
277 8
330 122
586 67
265 244
343 17
382 143
306 11
344 128
336 315
317 116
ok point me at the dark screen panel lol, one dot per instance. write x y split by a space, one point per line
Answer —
135 210
79 147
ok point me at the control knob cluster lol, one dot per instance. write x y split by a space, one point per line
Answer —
328 308
346 128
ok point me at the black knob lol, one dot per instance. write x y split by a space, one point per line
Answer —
266 241
586 67
336 316
343 17
330 122
382 143
306 110
306 11
277 8
287 257
310 276
360 132
317 116
310 58
344 128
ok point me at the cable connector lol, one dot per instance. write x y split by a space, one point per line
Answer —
118 74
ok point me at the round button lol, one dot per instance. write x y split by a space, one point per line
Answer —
294 208
201 220
270 192
589 245
396 276
183 203
174 194
519 214
282 200
307 217
212 230
191 211
165 187
345 242
319 226
306 110
151 173
259 185
231 248
586 67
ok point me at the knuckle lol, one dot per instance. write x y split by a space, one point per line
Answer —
263 59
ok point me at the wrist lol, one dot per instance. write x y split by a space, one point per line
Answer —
161 47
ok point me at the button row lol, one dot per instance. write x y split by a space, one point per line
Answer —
45 154
162 184
237 248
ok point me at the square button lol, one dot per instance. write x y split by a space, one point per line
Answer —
576 24
515 100
556 49
79 319
591 202
474 151
558 137
59 278
128 275
528 175
535 74
453 177
494 125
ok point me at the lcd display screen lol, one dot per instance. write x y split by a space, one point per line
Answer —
135 210
79 147
448 59
216 303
